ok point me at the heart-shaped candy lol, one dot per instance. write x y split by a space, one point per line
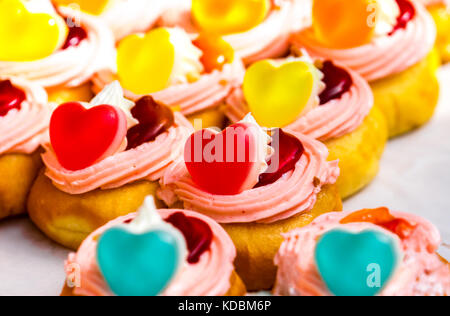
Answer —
154 119
21 32
81 137
229 16
145 61
94 7
10 97
356 264
344 24
224 163
137 264
278 95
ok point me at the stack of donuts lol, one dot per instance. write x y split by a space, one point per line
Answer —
205 147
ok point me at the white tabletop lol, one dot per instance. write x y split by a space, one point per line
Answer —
414 178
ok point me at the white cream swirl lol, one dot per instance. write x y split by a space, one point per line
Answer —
125 17
187 65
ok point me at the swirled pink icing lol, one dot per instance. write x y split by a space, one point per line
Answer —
125 17
207 92
208 277
294 193
148 161
267 40
385 55
24 130
421 271
334 119
73 66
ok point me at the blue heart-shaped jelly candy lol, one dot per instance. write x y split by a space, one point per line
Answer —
356 264
137 265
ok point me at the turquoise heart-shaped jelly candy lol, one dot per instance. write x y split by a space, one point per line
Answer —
137 264
356 264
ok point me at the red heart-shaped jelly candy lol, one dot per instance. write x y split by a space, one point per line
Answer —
224 163
154 119
81 137
10 97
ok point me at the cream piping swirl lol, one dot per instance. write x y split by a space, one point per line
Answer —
24 130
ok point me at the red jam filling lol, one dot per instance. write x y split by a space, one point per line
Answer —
337 80
10 97
289 150
197 233
154 119
407 13
383 218
76 35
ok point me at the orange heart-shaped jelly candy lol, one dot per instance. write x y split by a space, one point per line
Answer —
344 24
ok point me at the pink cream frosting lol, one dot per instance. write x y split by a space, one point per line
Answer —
24 130
207 92
384 56
148 161
267 40
331 120
125 17
73 66
421 272
209 277
293 194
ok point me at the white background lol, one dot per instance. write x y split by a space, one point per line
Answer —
414 177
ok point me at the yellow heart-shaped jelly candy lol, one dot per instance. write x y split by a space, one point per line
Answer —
95 7
277 95
145 61
229 16
344 24
26 36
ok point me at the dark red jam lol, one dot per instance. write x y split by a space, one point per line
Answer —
289 150
76 35
337 80
10 97
154 119
197 233
407 13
